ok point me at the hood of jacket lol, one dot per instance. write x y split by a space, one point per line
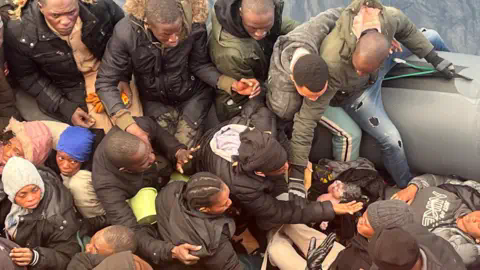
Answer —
36 140
228 15
179 224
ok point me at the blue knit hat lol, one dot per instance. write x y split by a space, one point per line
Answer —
77 142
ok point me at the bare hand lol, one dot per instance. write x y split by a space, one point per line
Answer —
396 47
126 93
82 119
139 132
247 87
347 208
407 194
183 156
21 256
182 253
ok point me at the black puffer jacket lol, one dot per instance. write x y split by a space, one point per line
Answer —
253 194
52 227
167 75
43 64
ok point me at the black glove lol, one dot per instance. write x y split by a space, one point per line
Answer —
296 185
442 65
316 256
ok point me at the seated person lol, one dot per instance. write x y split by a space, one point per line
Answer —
120 166
73 160
164 42
196 212
39 215
415 248
241 43
247 161
106 242
447 207
54 56
6 247
379 215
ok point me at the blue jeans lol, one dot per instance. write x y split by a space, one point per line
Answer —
368 112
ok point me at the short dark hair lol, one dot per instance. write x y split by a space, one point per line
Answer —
311 71
162 11
120 238
373 47
120 147
201 188
258 6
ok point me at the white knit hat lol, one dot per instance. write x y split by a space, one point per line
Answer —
18 173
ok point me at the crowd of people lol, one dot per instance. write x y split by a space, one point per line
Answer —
100 105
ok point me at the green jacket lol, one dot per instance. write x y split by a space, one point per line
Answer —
243 57
337 49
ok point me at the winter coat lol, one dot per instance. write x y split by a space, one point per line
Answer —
113 187
178 224
52 227
164 75
44 65
344 83
5 247
354 256
238 55
438 203
253 194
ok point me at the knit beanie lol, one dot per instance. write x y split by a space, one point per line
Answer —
77 142
259 151
17 174
393 249
35 137
384 214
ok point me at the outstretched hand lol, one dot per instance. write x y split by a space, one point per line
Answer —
316 255
407 194
184 156
347 208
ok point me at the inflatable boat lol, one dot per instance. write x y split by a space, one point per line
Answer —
439 119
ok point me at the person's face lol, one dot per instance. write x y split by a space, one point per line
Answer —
220 203
167 34
280 171
98 245
363 226
67 165
28 197
336 189
60 14
257 26
472 224
142 160
13 148
305 92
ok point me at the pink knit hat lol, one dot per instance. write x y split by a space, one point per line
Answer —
35 137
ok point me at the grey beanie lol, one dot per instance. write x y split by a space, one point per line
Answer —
18 173
385 214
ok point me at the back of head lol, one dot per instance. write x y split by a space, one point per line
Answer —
120 147
17 174
259 151
162 11
120 238
389 213
311 71
123 261
394 249
201 188
259 7
371 50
